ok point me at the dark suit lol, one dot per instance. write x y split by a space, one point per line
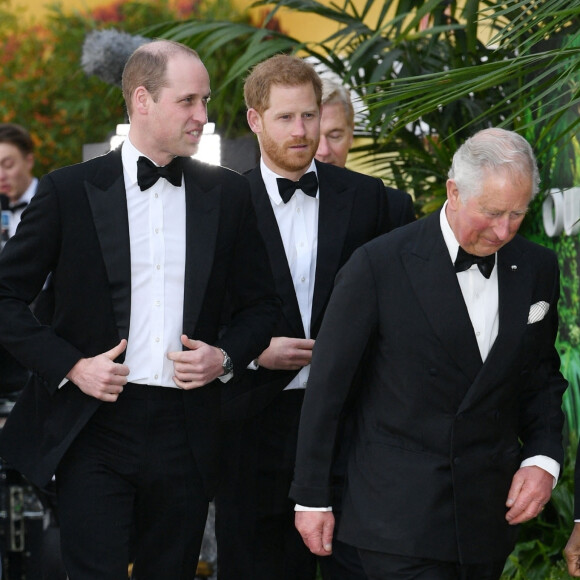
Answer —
401 211
254 524
439 433
77 228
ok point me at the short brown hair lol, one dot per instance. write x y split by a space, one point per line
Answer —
284 70
147 66
17 136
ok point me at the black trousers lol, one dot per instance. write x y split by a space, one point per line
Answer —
256 537
129 491
380 566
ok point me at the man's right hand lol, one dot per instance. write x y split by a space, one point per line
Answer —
99 376
316 529
287 354
572 552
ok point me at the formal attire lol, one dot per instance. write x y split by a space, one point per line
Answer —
401 211
84 226
450 405
307 240
13 375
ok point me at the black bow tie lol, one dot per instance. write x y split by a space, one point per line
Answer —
308 183
17 206
464 261
148 173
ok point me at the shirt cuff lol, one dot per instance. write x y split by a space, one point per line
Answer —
253 366
301 508
226 378
546 463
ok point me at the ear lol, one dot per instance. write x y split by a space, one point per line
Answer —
254 121
29 161
141 99
452 194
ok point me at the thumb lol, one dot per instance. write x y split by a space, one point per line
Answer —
190 343
327 533
117 350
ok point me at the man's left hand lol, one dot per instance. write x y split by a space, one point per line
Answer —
530 490
197 366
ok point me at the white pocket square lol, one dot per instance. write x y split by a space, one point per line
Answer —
538 311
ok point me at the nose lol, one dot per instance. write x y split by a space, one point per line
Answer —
323 149
298 128
199 113
501 227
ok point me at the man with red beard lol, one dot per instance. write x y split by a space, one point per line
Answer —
312 216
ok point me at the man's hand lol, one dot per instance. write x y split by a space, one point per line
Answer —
316 529
287 354
572 552
99 376
198 366
530 490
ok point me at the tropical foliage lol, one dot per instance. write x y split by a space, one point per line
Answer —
43 85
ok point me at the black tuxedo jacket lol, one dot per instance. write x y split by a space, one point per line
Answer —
352 211
401 211
76 228
439 434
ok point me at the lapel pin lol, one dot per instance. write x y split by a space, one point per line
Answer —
514 267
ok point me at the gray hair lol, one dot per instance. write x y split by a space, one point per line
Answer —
491 151
333 92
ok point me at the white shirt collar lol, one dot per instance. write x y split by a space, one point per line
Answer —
270 177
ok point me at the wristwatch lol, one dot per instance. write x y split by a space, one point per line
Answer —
227 365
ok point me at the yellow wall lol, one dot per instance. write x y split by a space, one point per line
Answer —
295 24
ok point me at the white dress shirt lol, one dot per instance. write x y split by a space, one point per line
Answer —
298 225
157 239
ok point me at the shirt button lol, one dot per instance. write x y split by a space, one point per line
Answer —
156 376
477 333
156 230
157 302
156 195
158 267
303 279
156 339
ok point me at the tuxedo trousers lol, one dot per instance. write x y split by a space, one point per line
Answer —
381 566
129 490
256 536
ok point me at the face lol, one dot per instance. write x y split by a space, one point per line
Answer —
173 125
288 131
336 135
485 223
15 171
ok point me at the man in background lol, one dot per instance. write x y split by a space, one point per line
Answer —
312 217
336 139
17 186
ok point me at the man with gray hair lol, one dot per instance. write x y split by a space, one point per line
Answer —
458 427
336 139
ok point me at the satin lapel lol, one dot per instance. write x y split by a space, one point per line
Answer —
268 227
334 214
435 284
202 208
109 209
515 296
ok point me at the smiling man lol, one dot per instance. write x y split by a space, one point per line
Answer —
143 245
312 216
458 434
